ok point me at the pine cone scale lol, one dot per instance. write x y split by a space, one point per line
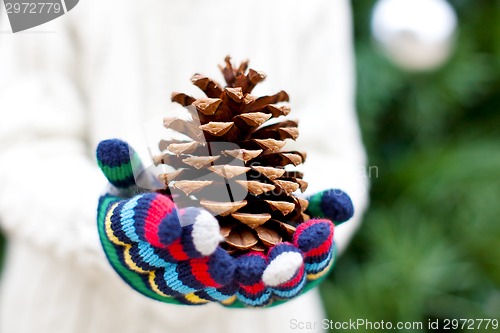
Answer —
269 212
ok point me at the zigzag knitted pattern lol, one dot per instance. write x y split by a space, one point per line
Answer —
143 236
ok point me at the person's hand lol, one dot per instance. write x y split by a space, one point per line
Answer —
289 268
174 249
173 255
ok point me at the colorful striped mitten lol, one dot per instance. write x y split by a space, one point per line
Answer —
173 255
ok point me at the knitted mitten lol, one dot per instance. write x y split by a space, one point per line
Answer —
173 255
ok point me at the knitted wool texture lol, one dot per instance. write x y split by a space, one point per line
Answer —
172 255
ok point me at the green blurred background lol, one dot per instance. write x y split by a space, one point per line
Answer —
430 244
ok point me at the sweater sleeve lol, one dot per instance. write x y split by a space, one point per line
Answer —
49 184
329 126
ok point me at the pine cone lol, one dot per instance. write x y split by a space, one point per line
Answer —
229 160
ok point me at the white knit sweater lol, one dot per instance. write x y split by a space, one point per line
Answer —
104 70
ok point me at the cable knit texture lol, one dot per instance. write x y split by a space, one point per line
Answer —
106 69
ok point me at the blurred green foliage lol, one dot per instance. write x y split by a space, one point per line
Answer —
430 244
2 246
